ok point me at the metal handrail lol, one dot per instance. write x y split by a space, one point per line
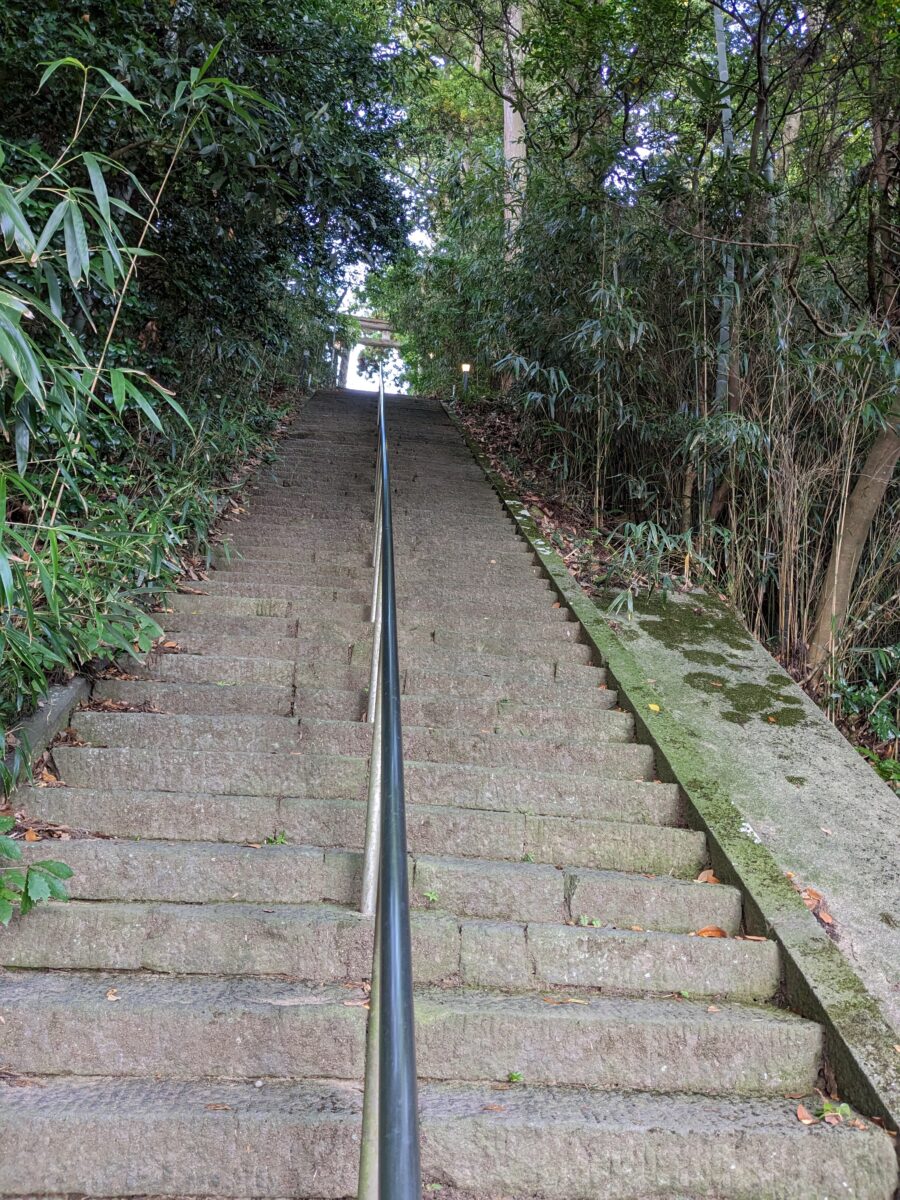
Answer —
389 1154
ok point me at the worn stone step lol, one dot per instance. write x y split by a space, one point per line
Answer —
331 777
452 827
529 892
321 640
194 731
502 574
502 556
336 705
261 698
104 1137
57 1023
512 955
322 943
529 600
424 668
499 679
425 595
316 942
194 872
201 872
443 712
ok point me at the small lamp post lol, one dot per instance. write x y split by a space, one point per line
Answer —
466 368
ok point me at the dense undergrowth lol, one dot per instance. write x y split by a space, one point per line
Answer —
181 190
666 238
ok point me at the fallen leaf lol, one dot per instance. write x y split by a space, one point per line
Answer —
711 931
754 937
833 1118
562 1000
112 994
856 1123
654 708
805 1117
31 836
218 1108
493 1108
708 876
714 1008
355 1003
824 830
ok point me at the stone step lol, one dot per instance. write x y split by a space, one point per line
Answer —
529 600
195 731
509 555
424 595
451 827
501 575
197 697
440 712
104 1137
435 712
57 1023
330 643
499 679
322 943
205 872
331 777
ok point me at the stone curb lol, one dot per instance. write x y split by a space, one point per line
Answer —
818 981
52 715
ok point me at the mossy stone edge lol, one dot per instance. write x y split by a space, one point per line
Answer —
818 981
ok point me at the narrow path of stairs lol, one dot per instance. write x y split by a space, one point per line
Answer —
192 1023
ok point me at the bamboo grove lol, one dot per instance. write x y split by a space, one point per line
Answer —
666 234
181 189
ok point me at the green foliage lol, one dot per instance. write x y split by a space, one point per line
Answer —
181 191
23 887
596 319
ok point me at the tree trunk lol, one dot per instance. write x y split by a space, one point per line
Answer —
862 505
513 124
723 371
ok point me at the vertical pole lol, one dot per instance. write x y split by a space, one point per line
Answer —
367 1188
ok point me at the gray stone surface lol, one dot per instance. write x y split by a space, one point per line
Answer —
556 919
301 1139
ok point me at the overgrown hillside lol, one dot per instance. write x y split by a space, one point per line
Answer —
181 189
666 236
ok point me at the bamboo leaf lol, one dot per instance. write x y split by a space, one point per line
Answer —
98 184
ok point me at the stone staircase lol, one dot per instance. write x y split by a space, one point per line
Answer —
192 1024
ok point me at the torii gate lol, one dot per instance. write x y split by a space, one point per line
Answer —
374 334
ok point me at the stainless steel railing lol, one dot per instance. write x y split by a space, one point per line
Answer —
389 1166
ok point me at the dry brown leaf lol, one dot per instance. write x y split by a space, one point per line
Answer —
856 1123
31 836
714 1008
754 937
218 1108
493 1108
112 994
833 1118
805 1117
708 876
711 931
